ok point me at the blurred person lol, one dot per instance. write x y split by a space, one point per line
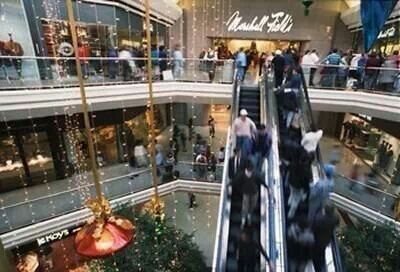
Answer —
212 164
371 71
160 162
278 64
300 242
244 129
221 155
183 139
192 200
262 63
162 54
155 61
241 63
261 147
333 60
211 58
248 182
388 75
355 175
84 54
112 54
288 56
310 140
140 154
201 166
319 193
323 230
310 61
335 154
236 163
140 62
174 147
211 126
248 250
388 158
177 62
125 57
190 128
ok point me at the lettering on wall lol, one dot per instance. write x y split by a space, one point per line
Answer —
55 236
278 22
387 33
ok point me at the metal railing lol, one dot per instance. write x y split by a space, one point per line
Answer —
31 72
332 253
221 240
383 80
277 207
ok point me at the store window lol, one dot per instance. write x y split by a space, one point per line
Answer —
106 145
38 157
12 173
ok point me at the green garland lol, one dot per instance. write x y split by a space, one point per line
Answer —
158 246
367 247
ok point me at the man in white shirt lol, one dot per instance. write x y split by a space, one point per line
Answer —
310 61
244 129
310 140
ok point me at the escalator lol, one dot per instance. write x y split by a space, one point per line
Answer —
249 99
229 221
333 260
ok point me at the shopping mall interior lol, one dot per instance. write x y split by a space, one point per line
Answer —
199 135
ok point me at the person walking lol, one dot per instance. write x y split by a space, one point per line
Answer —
163 56
300 242
319 193
333 60
125 56
248 251
201 166
211 126
177 62
371 71
309 61
244 129
278 64
323 228
241 64
236 163
249 183
211 61
261 147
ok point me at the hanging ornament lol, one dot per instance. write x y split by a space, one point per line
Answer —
105 234
155 207
307 4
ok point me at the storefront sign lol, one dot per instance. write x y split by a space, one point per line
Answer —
275 22
387 33
56 236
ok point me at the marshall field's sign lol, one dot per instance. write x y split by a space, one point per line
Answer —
278 22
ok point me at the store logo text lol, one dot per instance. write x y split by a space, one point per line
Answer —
388 33
275 22
52 237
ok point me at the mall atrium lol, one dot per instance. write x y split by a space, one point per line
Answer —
199 135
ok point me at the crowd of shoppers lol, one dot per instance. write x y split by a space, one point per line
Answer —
253 145
351 69
311 219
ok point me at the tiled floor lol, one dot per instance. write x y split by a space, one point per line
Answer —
201 221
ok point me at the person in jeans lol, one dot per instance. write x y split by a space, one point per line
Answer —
335 60
241 63
371 71
244 129
177 62
262 146
278 64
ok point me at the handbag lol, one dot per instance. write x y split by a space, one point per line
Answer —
167 75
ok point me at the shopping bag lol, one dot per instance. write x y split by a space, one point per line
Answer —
167 75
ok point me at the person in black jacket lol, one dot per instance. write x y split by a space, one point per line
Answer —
248 251
236 163
261 147
249 183
323 228
278 63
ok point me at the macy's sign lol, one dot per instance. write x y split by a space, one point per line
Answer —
275 22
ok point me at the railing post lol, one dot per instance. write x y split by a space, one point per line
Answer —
4 260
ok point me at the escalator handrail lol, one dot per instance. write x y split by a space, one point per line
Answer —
320 166
266 233
276 210
221 240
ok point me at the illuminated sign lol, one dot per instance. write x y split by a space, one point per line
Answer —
55 236
278 22
387 33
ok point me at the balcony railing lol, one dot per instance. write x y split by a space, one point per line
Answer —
28 72
381 80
